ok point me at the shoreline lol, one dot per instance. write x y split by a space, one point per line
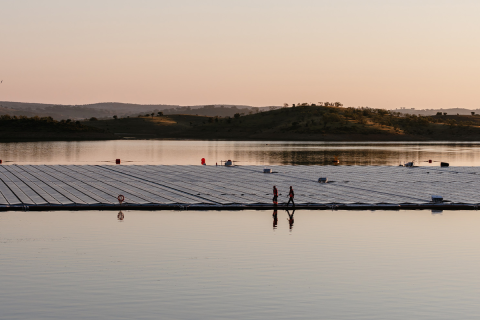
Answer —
326 138
183 207
54 136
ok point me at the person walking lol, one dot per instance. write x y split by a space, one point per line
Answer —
291 195
275 196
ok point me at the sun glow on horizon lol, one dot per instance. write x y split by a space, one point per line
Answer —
381 54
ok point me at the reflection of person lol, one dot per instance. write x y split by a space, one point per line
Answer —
290 218
275 219
275 195
120 216
290 196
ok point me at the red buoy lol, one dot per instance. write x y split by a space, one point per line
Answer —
203 161
429 161
117 161
0 161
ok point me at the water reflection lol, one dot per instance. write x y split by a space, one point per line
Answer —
290 219
275 219
120 216
246 152
339 265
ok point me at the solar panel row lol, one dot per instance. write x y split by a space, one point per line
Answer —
212 185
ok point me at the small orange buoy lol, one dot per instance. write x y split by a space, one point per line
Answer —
117 161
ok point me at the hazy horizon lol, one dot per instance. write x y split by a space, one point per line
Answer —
381 54
200 105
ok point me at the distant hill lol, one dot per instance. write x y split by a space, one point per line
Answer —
213 111
432 112
76 112
109 109
317 123
305 122
111 106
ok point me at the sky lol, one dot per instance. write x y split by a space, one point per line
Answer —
376 53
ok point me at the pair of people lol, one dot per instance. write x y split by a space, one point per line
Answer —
290 218
291 195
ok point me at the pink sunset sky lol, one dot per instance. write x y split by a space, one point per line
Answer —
377 53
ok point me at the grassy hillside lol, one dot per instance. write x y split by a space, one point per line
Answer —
172 126
300 123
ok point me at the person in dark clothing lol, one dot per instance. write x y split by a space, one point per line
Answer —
291 195
275 195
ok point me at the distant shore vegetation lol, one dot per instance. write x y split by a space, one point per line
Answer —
303 121
22 128
21 123
323 121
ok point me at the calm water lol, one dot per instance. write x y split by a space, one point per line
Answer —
250 152
236 265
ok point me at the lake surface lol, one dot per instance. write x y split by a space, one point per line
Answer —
237 265
243 264
246 152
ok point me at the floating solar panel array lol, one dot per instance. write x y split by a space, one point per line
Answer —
219 186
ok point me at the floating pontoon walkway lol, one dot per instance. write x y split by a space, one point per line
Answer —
87 187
